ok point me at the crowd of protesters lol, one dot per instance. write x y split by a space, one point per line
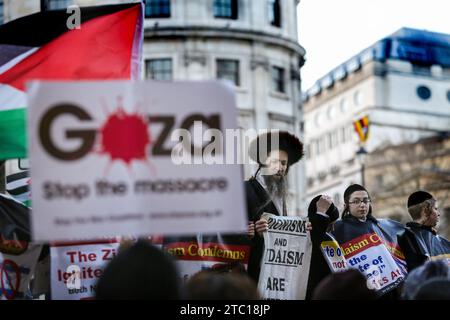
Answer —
143 272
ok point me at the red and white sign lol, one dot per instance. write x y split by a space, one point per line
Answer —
76 268
16 272
108 160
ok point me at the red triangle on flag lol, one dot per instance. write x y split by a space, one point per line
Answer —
101 49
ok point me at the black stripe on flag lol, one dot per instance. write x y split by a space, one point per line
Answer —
40 28
17 176
19 190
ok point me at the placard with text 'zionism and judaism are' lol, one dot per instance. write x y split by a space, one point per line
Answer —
286 258
133 158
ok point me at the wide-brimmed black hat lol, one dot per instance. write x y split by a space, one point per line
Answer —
276 140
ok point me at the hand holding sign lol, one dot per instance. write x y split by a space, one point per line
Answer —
261 226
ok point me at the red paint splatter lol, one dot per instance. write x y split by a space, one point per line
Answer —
125 137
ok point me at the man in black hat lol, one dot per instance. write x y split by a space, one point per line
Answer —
275 152
423 209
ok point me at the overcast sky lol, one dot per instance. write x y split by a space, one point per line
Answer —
332 31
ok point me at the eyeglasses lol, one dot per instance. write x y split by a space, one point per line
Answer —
358 201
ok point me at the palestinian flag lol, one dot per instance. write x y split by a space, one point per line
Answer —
108 45
362 128
18 186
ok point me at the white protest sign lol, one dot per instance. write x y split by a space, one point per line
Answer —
106 159
286 259
370 255
16 271
76 268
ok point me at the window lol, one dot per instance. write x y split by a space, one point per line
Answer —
274 13
159 69
321 145
1 12
56 4
329 141
308 152
334 138
421 69
331 112
357 98
228 70
351 134
157 8
423 92
278 79
342 134
344 105
226 9
317 147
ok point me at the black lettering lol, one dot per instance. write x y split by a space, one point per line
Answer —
86 136
168 123
212 121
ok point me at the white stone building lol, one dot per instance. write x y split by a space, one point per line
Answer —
252 43
402 83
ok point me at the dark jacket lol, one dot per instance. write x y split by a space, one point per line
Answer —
257 203
421 243
319 268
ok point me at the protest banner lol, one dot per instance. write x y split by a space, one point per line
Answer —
373 249
286 259
108 159
218 252
333 253
76 268
18 256
16 271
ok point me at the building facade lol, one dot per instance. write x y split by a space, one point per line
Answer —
252 44
393 172
402 83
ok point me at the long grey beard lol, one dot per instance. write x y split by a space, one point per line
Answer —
276 187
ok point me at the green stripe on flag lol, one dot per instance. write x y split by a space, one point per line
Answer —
12 134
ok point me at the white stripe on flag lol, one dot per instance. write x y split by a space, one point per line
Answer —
17 183
16 60
11 98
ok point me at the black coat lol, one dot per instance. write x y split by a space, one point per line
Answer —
257 203
422 242
319 268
